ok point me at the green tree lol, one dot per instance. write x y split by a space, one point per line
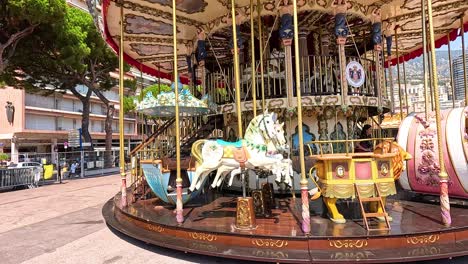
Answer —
20 18
62 56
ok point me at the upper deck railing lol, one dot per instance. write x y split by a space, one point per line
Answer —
319 76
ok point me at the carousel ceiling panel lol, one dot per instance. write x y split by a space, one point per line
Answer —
148 24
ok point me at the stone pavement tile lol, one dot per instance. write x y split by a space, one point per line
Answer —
105 247
29 241
26 207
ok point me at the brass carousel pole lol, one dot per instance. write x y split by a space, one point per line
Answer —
236 72
244 204
451 71
123 175
398 74
377 41
304 193
406 88
252 54
444 198
260 37
179 204
425 60
465 82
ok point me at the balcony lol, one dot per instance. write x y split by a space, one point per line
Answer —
319 82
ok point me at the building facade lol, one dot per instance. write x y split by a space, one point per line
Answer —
458 79
41 122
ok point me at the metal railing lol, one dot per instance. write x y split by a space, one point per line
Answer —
10 178
321 147
319 75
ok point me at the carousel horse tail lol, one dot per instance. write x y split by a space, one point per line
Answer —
197 150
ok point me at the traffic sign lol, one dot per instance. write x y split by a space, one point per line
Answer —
74 138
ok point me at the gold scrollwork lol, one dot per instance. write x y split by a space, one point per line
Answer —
268 253
352 255
271 243
156 228
203 236
426 239
348 243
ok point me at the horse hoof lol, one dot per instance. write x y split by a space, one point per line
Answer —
338 221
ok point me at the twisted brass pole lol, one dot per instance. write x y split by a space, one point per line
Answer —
304 183
425 60
465 82
253 66
179 203
406 88
451 71
444 198
123 175
260 37
398 74
240 133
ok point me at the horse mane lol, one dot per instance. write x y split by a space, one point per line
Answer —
252 123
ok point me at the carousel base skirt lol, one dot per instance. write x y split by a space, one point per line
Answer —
416 232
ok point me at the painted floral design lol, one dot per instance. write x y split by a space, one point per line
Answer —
142 25
187 6
428 168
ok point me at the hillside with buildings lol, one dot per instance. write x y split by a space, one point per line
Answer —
415 81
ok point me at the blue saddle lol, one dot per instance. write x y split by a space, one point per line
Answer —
237 144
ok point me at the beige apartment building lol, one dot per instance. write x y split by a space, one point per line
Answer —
41 123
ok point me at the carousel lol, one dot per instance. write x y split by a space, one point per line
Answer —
270 145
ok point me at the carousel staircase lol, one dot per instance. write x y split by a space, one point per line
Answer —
201 133
153 136
365 215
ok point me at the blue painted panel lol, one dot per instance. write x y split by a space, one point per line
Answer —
153 177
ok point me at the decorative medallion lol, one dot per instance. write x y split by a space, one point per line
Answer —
340 171
384 169
355 74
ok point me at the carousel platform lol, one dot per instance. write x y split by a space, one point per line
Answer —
416 232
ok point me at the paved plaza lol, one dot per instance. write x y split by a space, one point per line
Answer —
62 223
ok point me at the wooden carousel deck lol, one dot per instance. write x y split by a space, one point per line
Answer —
416 233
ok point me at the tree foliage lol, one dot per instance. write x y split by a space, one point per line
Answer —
61 56
20 18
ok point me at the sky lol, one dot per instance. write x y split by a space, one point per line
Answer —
456 44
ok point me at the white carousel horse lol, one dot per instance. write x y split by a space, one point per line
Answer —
282 171
263 141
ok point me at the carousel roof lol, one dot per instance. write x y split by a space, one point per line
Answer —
148 25
163 105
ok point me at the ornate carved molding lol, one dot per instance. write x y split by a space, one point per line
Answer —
269 243
425 239
203 236
348 243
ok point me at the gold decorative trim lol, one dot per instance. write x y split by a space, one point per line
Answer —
203 236
271 243
348 243
156 228
425 239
